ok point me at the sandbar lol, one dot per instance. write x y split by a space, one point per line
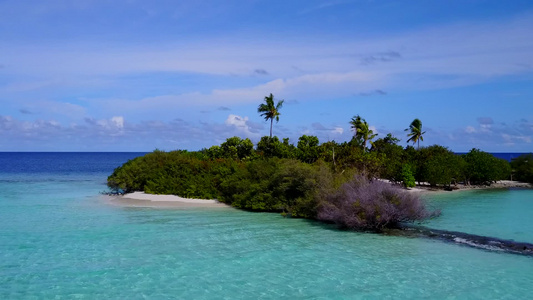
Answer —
141 199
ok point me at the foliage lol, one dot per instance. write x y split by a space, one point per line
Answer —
362 132
308 150
273 184
393 157
236 147
272 147
179 173
328 152
438 165
406 177
415 132
523 168
233 147
200 174
353 157
371 205
484 168
269 110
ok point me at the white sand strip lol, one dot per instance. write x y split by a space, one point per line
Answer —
141 199
164 198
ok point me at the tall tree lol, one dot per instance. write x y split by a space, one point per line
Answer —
269 110
362 132
415 132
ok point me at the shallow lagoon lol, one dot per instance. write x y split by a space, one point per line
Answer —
59 239
502 213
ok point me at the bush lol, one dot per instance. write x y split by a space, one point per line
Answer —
186 174
372 205
484 168
279 185
523 168
307 149
407 177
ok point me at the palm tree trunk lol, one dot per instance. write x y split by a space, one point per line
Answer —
271 121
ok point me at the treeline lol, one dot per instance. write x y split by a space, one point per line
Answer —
201 173
385 159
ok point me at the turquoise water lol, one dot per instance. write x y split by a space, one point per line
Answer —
501 213
59 239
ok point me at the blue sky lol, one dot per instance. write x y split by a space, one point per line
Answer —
139 75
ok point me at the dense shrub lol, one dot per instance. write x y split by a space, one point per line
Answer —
284 185
438 165
233 147
523 168
406 177
364 204
181 173
134 174
393 157
272 147
484 168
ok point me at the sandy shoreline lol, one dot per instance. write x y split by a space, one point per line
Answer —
141 199
502 184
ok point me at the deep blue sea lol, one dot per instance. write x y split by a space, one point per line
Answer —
508 156
60 240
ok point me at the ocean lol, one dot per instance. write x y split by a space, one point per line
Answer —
60 240
508 156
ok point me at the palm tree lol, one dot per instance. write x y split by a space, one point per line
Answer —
362 131
269 110
415 132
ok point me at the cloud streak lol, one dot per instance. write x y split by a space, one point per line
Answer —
471 51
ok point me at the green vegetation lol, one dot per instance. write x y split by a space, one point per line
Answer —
415 132
270 111
362 132
273 184
188 174
523 168
313 180
483 168
407 177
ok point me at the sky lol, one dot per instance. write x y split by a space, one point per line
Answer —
132 75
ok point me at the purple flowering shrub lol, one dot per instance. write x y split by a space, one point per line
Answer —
365 204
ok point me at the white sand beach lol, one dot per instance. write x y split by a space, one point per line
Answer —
426 188
141 199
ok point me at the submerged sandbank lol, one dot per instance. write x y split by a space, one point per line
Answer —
141 199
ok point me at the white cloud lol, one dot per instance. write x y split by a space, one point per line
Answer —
337 130
118 122
242 124
516 138
470 129
113 125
